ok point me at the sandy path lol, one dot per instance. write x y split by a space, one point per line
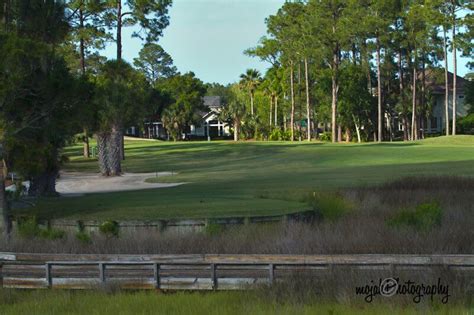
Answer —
82 183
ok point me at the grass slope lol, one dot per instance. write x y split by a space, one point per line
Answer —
254 178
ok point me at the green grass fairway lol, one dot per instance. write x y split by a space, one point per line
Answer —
254 178
220 303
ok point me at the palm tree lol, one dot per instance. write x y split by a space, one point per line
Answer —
250 81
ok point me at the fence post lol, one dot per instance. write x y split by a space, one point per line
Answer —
214 276
102 272
49 279
1 274
156 275
392 270
271 273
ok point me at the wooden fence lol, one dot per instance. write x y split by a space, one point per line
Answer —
199 272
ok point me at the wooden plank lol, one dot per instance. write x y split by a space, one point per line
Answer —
254 259
7 256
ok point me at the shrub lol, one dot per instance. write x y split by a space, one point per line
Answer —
424 217
83 237
51 234
329 206
325 136
109 228
28 227
279 135
213 228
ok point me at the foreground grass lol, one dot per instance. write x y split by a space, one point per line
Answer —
222 303
253 178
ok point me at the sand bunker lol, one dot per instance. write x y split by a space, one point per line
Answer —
83 183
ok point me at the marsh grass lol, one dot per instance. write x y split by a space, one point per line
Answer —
362 230
221 303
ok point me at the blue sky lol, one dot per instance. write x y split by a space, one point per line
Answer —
208 37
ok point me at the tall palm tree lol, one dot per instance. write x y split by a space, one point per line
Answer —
250 81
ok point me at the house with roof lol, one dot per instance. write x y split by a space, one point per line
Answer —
209 126
436 86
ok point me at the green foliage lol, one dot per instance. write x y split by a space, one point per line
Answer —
466 124
423 218
155 62
186 100
39 106
280 135
28 227
325 136
121 96
329 206
213 228
52 234
83 237
109 228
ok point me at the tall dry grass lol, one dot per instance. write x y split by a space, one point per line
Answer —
363 229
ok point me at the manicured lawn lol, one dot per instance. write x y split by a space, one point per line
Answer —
254 178
222 303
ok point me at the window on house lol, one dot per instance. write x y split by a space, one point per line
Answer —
461 96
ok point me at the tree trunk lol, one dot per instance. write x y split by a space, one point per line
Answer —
270 116
308 106
3 202
446 82
276 110
114 149
251 103
292 90
120 142
455 70
82 56
402 90
414 132
357 127
119 29
335 88
86 147
339 133
44 184
423 99
236 129
103 138
379 94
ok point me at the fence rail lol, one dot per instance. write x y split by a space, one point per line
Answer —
199 272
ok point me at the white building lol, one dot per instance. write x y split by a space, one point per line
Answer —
210 124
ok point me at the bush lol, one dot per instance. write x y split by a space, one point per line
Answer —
83 237
424 217
465 124
325 136
29 228
280 135
212 229
329 206
52 234
109 228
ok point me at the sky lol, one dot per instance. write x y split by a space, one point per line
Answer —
208 37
